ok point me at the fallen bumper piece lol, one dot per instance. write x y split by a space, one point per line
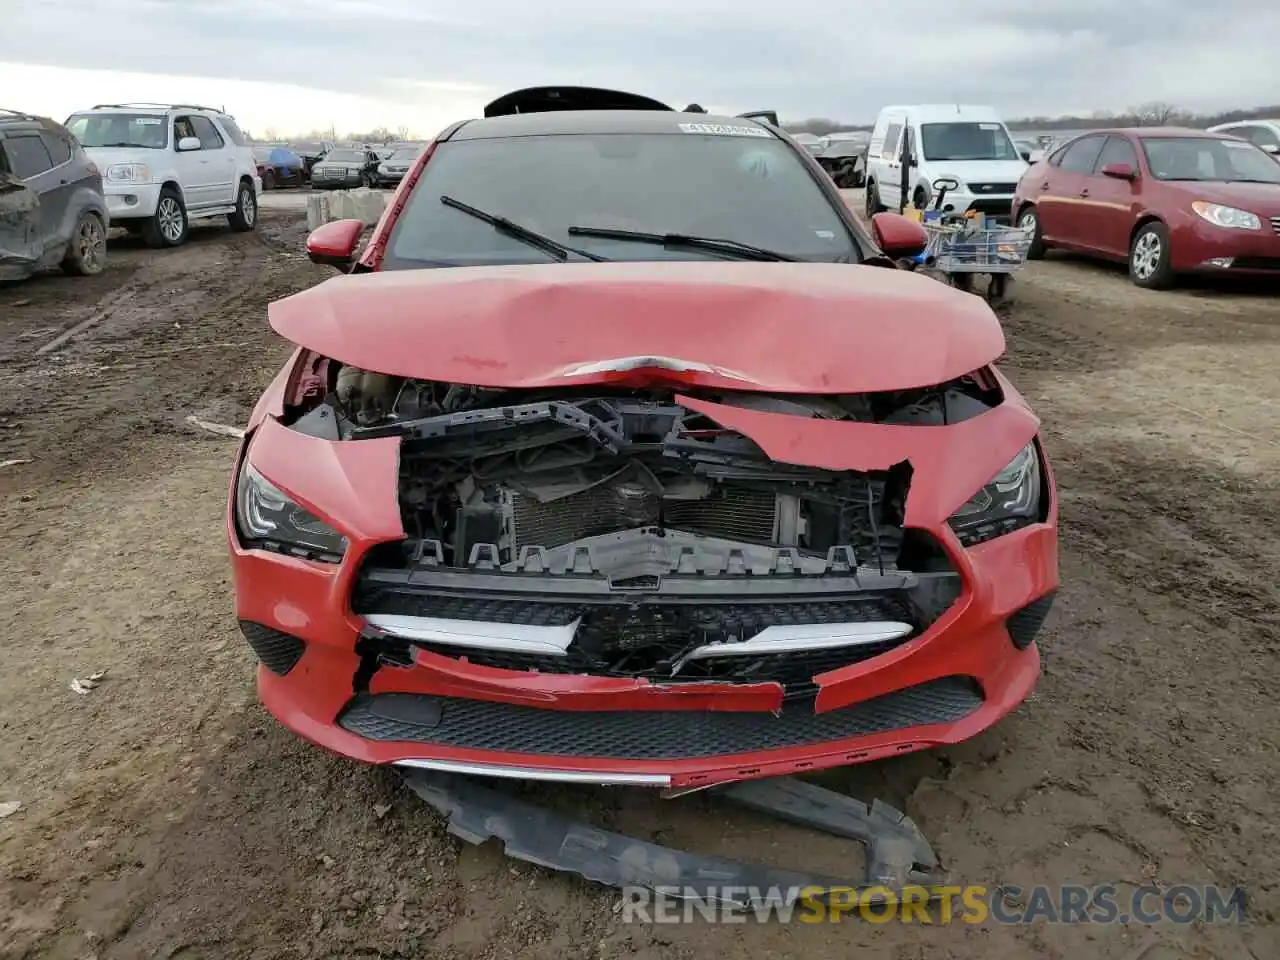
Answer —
897 853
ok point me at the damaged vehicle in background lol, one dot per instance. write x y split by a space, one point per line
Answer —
52 209
844 157
624 454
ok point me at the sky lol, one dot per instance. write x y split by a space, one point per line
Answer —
300 65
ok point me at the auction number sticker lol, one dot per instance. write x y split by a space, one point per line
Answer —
725 130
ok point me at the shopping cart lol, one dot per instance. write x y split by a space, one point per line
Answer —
961 245
958 249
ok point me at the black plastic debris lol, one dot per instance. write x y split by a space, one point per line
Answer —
897 853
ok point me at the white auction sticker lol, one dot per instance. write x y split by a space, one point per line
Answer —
725 130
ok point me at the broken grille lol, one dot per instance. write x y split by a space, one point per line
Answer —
649 640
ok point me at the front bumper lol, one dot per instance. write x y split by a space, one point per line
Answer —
1201 247
131 201
966 671
389 178
343 181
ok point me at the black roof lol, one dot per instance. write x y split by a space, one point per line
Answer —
590 121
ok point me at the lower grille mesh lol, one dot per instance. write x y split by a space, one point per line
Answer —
646 734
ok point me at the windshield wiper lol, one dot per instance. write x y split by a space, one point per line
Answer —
523 234
743 251
141 146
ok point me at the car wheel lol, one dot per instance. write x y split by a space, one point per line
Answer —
87 252
1149 257
246 215
268 180
873 200
168 227
1029 219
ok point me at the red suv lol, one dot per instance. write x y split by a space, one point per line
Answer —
1166 200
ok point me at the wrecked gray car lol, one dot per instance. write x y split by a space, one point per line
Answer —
52 212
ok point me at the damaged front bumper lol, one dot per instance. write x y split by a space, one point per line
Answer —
353 686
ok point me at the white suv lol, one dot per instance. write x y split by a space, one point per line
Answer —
163 166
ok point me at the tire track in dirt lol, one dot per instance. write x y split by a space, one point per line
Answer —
187 332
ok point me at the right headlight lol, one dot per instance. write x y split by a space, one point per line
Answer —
266 516
129 173
1009 501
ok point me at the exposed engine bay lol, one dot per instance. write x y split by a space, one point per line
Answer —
491 474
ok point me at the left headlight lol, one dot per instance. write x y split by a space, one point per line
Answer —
267 516
1011 500
1230 217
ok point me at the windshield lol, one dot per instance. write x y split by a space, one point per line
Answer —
749 189
120 130
966 141
345 156
1200 158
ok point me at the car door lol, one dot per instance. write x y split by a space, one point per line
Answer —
219 161
30 160
194 174
889 166
1064 188
20 246
1110 206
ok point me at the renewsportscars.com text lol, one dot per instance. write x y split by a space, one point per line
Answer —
973 904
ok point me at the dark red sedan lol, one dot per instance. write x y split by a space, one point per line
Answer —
1166 200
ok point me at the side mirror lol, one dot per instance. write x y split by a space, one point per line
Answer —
1120 171
188 143
1026 155
897 236
334 244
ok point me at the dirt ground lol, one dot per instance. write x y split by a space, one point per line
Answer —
166 815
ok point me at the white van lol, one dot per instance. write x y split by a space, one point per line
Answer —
943 141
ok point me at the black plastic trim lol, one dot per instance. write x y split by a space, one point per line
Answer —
278 652
1024 624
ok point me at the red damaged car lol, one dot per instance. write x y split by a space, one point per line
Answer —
624 454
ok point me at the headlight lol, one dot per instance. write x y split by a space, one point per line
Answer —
1011 500
265 514
129 173
1230 217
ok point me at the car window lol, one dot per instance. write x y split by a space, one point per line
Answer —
1118 150
966 141
233 131
1211 159
1082 155
1264 136
210 139
182 129
143 131
891 136
27 155
58 147
753 190
346 156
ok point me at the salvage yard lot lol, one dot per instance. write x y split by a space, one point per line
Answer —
164 814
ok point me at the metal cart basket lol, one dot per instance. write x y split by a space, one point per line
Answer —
961 249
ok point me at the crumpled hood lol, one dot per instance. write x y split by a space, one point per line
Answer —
781 327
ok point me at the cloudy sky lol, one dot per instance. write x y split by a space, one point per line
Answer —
295 65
